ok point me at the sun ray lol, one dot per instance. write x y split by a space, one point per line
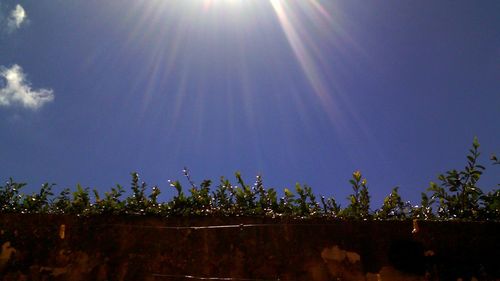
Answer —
341 112
195 52
306 59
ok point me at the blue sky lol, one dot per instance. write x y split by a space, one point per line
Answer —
299 91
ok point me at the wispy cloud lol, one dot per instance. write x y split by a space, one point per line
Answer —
15 89
16 18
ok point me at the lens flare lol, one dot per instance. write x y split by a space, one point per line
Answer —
230 64
292 17
304 56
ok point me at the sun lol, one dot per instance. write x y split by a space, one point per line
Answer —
211 3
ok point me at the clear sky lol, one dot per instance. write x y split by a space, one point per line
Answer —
295 90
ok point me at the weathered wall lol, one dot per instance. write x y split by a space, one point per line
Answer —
42 247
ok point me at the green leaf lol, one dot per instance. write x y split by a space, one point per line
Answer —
475 143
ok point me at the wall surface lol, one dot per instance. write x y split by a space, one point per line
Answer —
45 247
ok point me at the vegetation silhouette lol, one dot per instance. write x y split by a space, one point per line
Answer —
456 196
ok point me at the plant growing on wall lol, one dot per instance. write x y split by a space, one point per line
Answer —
111 203
267 200
245 197
10 197
201 201
306 201
38 202
491 200
330 207
223 198
424 211
62 202
393 207
457 196
80 203
359 207
457 193
179 204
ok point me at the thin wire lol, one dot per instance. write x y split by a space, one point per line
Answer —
209 278
190 227
210 226
227 226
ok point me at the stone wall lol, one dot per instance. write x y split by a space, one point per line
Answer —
44 247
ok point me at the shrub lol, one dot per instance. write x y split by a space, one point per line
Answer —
456 196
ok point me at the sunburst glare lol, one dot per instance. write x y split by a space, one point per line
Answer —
220 54
305 55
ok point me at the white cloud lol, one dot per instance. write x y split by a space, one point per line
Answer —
16 18
15 89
